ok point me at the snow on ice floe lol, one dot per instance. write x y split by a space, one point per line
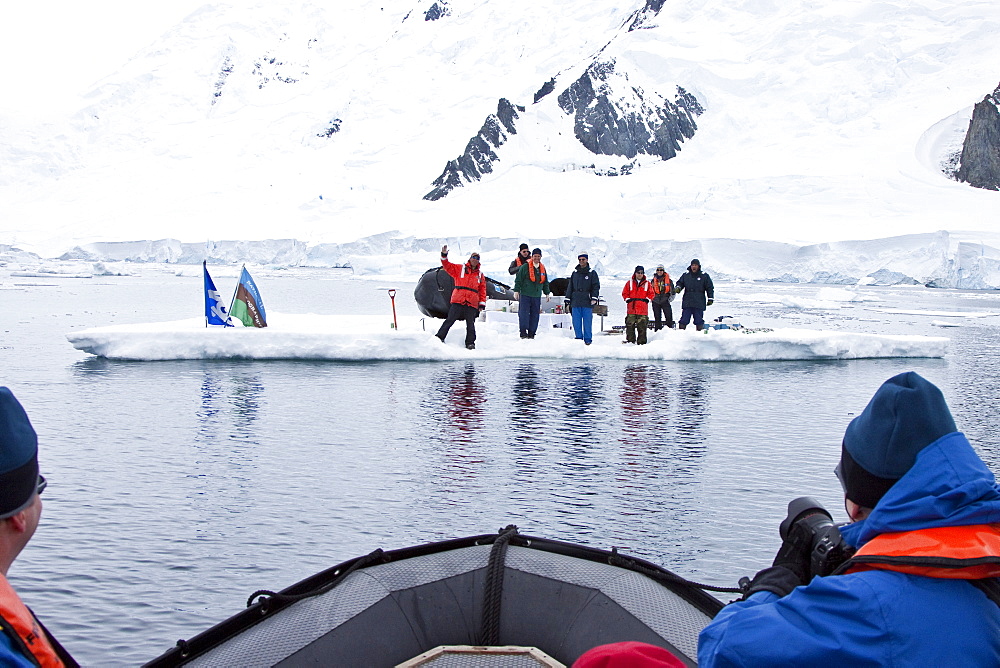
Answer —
825 299
370 338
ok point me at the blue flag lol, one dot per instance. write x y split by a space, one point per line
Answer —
215 311
248 307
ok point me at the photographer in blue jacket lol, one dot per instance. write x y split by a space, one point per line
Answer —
911 581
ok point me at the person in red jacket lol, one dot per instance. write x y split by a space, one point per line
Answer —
467 299
637 293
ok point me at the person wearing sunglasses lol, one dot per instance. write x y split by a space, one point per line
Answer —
523 255
468 299
663 294
919 585
583 291
23 639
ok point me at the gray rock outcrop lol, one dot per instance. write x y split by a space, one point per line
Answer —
627 122
479 154
979 165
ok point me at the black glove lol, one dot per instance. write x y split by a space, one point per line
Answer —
566 303
790 568
710 301
482 307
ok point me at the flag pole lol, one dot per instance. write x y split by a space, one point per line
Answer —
236 291
204 270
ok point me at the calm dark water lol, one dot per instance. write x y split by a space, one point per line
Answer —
179 488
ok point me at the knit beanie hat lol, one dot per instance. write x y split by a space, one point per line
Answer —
906 414
582 255
18 456
523 247
629 654
537 251
693 262
639 268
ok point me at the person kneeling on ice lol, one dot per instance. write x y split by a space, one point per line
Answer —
531 281
637 293
467 299
699 293
921 588
23 639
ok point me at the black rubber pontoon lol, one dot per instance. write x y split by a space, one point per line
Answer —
434 288
493 589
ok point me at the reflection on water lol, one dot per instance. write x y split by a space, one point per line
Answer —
463 402
213 480
692 406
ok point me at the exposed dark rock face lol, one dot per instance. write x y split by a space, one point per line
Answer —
331 129
979 165
625 122
546 88
651 9
437 11
224 72
479 156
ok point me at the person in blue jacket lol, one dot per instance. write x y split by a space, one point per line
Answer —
921 590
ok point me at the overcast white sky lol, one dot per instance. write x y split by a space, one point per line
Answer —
54 50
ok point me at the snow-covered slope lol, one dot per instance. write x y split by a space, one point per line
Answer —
327 123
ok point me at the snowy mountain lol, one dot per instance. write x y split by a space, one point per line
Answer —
396 125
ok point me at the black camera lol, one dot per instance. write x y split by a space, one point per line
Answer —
827 547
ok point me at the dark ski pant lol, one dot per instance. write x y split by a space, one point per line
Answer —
461 312
633 321
662 309
687 313
528 309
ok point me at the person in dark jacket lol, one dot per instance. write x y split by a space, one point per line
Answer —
531 281
663 294
522 257
23 639
468 298
699 293
582 291
925 511
637 293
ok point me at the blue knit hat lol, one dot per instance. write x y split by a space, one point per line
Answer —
881 444
18 456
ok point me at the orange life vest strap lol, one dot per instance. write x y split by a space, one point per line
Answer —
531 273
959 553
17 618
659 287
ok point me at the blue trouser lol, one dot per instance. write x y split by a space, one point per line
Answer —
528 309
686 313
583 319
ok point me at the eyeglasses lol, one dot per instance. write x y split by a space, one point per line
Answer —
42 484
474 256
640 272
659 271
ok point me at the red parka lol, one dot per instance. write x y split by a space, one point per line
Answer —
470 285
637 294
